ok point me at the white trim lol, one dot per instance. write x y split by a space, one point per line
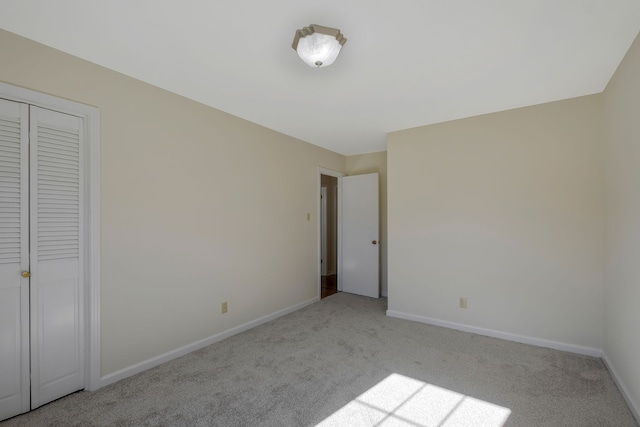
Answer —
587 351
173 354
336 174
635 408
340 227
93 251
91 117
323 232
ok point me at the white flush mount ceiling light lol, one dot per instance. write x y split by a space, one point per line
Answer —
318 46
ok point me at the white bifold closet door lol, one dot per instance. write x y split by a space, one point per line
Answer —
41 257
14 259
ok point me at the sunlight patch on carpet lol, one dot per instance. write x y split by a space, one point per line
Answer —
402 401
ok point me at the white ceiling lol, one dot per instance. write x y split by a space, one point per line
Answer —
406 63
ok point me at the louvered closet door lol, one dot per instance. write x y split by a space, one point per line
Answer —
14 258
56 194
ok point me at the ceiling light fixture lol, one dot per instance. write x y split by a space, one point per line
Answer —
318 46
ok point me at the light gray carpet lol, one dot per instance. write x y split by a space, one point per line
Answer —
341 361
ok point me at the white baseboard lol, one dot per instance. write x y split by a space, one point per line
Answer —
635 408
173 354
588 351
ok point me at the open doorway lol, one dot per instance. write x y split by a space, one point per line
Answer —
328 235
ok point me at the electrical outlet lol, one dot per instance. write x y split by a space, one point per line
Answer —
463 302
224 307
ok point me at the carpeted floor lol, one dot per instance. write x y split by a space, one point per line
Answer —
342 362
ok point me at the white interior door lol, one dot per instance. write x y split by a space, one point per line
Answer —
56 192
41 257
360 229
14 259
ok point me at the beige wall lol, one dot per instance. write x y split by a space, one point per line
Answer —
622 265
190 217
369 163
506 210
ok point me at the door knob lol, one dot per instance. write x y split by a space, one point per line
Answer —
374 242
26 274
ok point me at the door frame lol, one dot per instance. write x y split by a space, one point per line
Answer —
336 174
323 231
91 121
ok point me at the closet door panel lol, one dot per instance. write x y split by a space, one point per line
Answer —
57 345
14 259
